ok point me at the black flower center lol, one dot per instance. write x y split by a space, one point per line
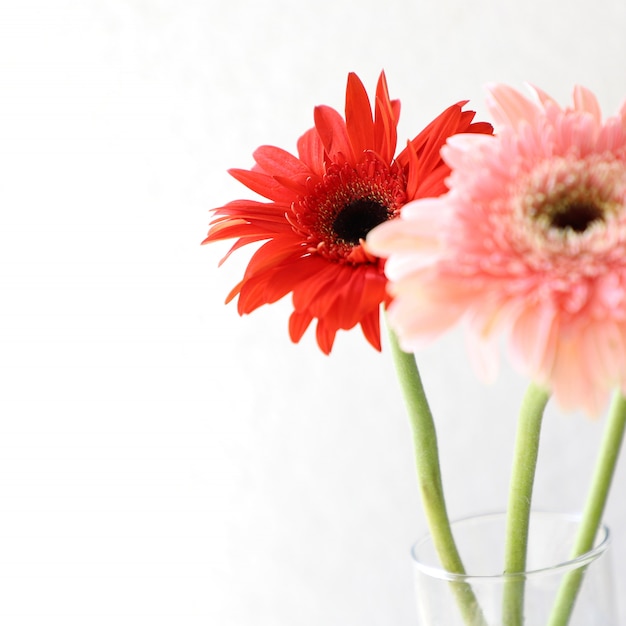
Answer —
577 216
336 214
357 218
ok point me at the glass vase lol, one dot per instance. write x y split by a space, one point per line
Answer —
443 598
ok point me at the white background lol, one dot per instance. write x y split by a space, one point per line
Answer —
163 461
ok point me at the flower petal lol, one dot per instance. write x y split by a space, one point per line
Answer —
333 277
278 162
387 114
333 134
325 336
266 186
311 151
509 107
299 321
359 122
370 324
586 101
529 242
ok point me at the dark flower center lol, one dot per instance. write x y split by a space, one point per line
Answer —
357 218
577 216
569 200
348 201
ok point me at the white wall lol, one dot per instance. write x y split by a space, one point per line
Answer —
162 461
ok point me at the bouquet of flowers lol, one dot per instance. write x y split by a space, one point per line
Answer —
518 233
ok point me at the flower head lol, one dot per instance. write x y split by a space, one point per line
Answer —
344 182
530 239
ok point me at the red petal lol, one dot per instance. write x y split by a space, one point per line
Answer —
248 209
359 122
255 229
277 162
344 311
450 122
314 294
434 184
395 108
422 156
371 329
342 299
374 289
413 168
298 323
483 128
250 221
333 133
325 337
263 184
387 116
361 294
273 284
273 253
311 151
240 243
234 291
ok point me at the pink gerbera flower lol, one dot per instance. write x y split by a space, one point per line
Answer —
344 181
530 239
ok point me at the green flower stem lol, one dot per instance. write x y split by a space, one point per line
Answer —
520 496
429 479
593 510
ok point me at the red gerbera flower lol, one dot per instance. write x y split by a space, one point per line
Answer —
344 182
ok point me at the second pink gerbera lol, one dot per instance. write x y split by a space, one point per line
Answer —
530 240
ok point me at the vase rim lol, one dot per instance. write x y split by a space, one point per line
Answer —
603 539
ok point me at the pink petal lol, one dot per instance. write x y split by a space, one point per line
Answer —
484 356
417 324
572 385
586 101
420 227
533 340
622 114
462 147
546 100
509 107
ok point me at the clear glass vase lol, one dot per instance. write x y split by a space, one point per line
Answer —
441 595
